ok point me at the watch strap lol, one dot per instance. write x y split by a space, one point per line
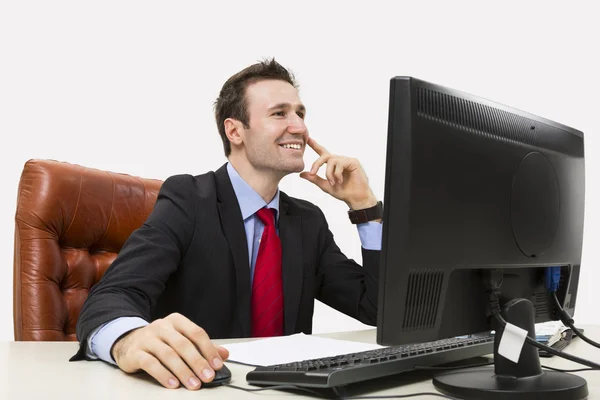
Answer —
366 214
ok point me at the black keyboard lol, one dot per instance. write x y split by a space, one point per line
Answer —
346 369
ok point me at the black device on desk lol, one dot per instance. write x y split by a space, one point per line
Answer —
474 192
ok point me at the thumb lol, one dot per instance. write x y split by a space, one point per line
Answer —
316 179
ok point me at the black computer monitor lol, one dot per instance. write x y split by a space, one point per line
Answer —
475 188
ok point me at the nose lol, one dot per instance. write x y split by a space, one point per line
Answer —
296 125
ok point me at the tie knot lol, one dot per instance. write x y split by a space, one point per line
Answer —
267 216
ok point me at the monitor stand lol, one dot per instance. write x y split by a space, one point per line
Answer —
520 381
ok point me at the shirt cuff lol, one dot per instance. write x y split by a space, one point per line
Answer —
370 235
103 340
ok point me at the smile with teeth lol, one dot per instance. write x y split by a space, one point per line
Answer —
292 146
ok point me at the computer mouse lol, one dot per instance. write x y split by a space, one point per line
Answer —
221 376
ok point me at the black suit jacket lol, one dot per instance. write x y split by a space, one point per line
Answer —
191 257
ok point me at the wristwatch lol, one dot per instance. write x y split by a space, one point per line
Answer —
366 214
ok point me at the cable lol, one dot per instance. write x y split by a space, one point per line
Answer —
569 370
452 368
294 387
550 350
492 363
552 282
568 321
275 387
492 280
401 396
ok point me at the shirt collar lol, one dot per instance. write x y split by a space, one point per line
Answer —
250 201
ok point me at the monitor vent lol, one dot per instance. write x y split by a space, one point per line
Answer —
475 117
422 299
541 304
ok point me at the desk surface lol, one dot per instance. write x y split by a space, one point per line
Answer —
42 370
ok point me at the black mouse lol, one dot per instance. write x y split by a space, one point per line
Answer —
221 376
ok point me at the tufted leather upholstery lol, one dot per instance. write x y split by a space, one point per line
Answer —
70 223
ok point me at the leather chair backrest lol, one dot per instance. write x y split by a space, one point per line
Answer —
70 224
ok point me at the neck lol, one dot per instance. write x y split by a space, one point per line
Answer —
264 182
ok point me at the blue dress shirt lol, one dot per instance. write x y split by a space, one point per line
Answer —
101 339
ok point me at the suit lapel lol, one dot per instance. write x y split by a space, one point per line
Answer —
233 227
290 232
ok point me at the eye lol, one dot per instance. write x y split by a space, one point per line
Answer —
279 113
301 115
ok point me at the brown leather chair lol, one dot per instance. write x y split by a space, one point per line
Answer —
70 223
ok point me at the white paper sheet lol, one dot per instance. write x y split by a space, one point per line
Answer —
549 328
285 349
512 342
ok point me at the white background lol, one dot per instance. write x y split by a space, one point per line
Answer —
128 86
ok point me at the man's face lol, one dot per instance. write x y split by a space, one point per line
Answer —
277 135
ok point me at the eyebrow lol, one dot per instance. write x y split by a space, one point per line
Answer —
287 106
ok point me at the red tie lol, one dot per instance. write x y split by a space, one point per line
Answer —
267 287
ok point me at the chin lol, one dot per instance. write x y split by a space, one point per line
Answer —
298 167
290 167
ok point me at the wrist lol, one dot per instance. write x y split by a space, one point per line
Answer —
119 347
361 204
115 351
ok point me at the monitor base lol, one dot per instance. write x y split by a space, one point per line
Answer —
483 383
524 380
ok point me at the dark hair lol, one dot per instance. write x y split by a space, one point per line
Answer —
232 102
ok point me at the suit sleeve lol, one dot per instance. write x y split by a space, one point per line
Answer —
135 280
345 285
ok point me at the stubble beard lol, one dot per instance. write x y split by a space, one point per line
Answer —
278 165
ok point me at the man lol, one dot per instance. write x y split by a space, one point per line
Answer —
226 254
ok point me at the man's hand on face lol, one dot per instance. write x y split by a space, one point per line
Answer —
172 350
346 179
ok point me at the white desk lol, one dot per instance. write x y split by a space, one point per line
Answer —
41 370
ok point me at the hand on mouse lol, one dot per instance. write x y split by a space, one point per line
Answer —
172 350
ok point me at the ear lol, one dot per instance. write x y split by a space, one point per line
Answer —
234 131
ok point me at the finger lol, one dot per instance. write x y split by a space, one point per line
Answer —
317 180
320 150
170 359
223 352
155 369
189 353
329 172
320 161
200 339
339 173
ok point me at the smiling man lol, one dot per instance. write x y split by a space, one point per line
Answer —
226 254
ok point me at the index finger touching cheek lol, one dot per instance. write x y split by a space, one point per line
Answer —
320 150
